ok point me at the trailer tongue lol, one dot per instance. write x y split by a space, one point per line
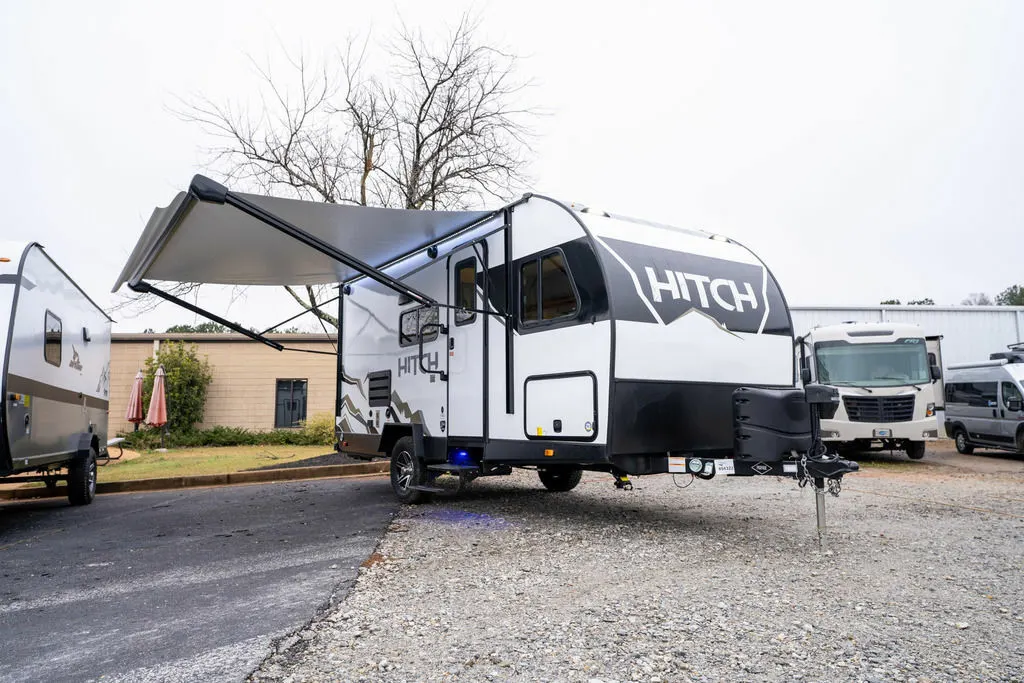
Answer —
533 336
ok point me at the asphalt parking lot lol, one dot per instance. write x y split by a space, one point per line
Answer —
184 585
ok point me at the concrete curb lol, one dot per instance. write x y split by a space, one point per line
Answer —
254 477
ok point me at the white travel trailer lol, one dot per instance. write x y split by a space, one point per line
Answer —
532 336
889 379
56 372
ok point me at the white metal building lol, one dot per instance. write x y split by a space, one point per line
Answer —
969 333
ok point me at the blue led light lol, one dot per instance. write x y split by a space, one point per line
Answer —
460 457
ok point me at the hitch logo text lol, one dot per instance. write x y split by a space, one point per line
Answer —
410 365
687 286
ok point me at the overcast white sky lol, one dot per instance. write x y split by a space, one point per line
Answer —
864 150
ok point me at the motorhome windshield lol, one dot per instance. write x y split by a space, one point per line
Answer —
888 364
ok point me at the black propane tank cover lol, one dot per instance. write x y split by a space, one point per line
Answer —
768 424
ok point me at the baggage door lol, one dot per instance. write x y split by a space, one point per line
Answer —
466 336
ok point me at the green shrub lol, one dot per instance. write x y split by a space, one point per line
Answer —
187 377
317 431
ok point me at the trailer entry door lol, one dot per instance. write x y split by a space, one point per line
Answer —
466 342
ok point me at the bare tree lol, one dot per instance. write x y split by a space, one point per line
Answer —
444 130
977 299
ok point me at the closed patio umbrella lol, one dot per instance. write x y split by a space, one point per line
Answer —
157 416
135 413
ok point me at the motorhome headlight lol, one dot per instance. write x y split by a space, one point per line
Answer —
694 465
929 410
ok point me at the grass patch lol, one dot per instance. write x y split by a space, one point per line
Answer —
186 462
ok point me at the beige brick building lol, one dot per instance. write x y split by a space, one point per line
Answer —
254 386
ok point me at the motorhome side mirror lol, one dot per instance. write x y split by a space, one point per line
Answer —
1014 405
805 375
936 373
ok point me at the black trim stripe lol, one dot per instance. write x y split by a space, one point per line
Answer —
36 389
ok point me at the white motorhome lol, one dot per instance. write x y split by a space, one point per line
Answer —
889 380
56 374
534 335
985 402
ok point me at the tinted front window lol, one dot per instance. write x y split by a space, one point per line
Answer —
873 365
549 295
557 296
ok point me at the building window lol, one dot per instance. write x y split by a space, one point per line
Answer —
546 290
290 403
411 322
51 339
465 291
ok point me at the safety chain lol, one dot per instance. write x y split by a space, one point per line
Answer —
834 485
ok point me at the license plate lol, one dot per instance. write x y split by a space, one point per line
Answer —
883 432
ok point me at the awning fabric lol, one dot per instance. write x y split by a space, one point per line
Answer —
200 241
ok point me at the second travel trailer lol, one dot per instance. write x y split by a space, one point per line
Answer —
531 336
889 378
55 349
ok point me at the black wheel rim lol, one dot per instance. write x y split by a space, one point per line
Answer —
403 471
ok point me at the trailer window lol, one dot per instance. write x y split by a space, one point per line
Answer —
465 291
411 322
546 289
51 339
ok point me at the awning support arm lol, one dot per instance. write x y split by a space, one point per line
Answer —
144 287
300 314
208 190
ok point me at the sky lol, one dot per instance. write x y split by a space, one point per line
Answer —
864 150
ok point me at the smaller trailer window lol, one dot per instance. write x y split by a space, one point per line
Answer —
411 322
51 339
546 289
465 291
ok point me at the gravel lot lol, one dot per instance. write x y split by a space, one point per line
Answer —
921 580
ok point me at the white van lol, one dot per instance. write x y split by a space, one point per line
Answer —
985 402
889 379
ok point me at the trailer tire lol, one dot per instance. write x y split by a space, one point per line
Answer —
560 479
407 471
82 479
915 450
963 446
